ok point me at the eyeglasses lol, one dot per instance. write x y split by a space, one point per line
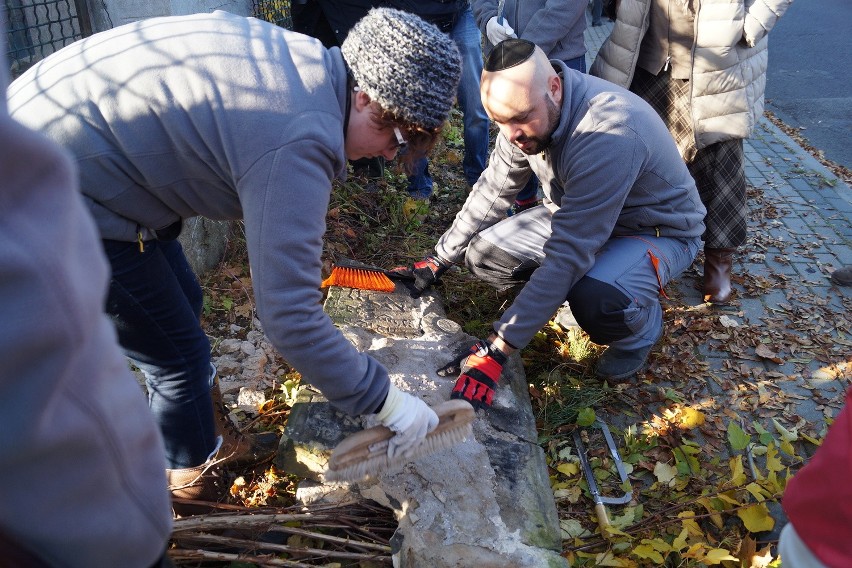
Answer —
401 143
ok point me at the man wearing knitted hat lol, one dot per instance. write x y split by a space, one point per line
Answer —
228 117
621 216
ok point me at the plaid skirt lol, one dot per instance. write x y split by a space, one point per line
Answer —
718 169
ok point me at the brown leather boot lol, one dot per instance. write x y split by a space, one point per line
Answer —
239 450
717 274
842 276
200 483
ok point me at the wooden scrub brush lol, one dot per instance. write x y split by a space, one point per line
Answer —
365 454
350 274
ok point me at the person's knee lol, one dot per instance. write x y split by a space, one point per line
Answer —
495 266
599 308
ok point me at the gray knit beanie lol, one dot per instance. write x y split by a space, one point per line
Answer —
407 66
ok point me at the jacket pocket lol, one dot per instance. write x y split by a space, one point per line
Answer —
720 24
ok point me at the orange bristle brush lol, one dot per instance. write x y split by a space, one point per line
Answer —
350 274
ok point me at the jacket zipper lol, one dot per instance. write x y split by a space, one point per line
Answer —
669 34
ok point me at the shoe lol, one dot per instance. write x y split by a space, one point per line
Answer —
565 318
596 24
239 450
370 168
200 483
717 274
842 276
523 205
420 195
420 187
620 364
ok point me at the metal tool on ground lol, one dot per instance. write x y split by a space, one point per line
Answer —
600 500
365 453
348 273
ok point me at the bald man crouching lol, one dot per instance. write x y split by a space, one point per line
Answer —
621 216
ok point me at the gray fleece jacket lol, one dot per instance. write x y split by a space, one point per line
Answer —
82 468
224 117
556 26
613 169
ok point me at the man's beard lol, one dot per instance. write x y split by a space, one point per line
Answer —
538 144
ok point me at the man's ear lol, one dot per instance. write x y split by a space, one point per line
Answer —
554 87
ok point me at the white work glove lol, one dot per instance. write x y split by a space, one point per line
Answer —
497 32
409 417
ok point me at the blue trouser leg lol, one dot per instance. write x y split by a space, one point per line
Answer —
420 181
155 301
616 302
467 38
469 42
597 12
624 271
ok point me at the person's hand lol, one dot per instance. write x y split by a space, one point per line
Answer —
424 273
497 31
409 417
479 368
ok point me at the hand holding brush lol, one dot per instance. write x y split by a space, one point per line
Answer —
409 418
369 452
425 273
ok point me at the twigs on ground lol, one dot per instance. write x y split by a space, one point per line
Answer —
351 534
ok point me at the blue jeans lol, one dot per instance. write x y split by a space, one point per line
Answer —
597 12
469 41
155 302
530 190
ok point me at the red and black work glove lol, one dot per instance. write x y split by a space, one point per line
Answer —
424 273
479 368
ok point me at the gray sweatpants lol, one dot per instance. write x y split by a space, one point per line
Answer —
617 301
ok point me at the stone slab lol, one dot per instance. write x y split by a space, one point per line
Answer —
484 502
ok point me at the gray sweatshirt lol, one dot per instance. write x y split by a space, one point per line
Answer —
224 117
82 468
613 169
556 26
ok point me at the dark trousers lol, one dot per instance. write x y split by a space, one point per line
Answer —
155 301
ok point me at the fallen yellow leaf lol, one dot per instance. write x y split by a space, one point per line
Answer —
762 559
756 518
665 473
717 555
569 469
647 552
738 476
691 418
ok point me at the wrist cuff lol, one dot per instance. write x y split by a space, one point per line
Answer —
495 352
393 400
504 341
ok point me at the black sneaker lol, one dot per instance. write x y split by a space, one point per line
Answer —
565 318
521 206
